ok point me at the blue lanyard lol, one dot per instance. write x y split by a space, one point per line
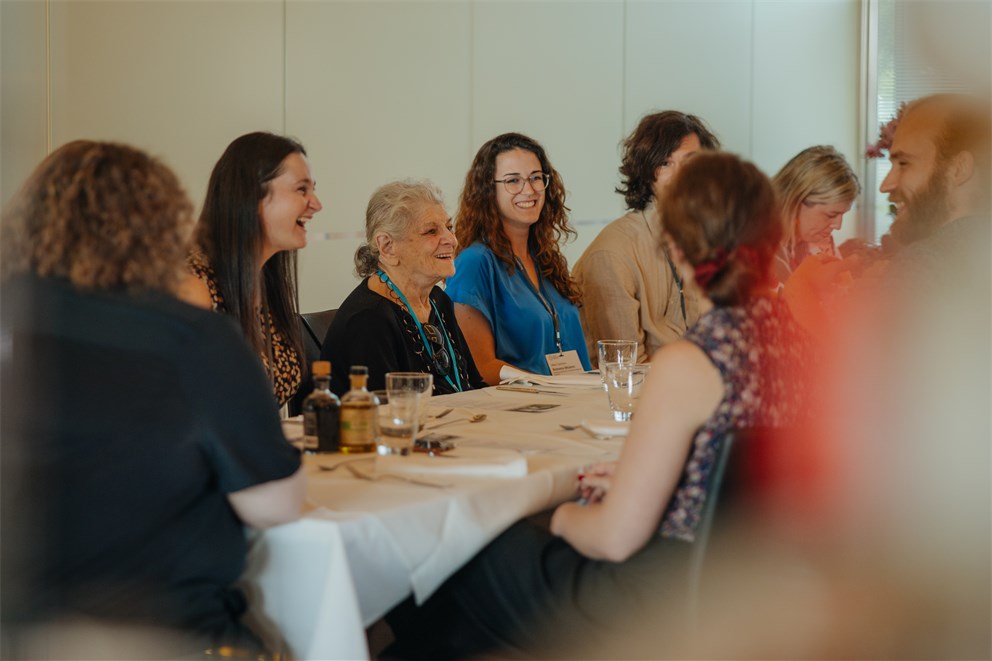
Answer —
423 336
546 302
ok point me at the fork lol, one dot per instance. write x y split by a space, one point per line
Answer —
598 437
402 478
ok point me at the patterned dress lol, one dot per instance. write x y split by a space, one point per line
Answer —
762 356
284 373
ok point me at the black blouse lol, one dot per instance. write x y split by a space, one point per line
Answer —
371 330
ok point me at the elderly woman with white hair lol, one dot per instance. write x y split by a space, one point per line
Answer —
397 319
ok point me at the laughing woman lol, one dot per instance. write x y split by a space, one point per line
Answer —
397 319
260 197
513 294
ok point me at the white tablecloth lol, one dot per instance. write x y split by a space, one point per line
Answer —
367 545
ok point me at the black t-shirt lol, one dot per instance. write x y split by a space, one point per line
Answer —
373 331
133 416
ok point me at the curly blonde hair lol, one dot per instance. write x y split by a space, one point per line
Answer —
102 216
479 219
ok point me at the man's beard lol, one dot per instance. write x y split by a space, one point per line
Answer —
924 212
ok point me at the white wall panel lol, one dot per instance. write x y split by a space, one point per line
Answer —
553 70
376 91
411 88
695 57
23 97
805 68
180 79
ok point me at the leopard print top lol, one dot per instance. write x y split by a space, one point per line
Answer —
286 375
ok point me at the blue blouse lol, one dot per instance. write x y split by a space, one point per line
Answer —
522 327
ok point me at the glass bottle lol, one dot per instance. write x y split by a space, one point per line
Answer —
321 412
358 414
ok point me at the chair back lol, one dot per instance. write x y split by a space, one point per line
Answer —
316 324
697 556
313 328
739 487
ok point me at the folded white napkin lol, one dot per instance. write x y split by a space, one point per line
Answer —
509 374
606 427
478 462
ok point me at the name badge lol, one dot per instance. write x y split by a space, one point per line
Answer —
566 362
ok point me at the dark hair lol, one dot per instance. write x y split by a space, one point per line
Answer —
230 234
650 145
721 211
102 216
478 217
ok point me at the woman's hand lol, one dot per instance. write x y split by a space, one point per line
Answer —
595 481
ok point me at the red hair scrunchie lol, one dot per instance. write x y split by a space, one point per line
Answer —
707 269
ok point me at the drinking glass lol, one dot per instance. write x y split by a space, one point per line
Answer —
615 351
406 395
623 386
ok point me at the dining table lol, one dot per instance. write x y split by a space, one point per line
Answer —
379 529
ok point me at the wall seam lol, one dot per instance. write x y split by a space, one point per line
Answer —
285 65
471 77
48 77
623 71
753 119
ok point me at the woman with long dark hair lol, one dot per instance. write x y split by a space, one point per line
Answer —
514 298
260 197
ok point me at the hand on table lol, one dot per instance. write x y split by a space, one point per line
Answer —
595 482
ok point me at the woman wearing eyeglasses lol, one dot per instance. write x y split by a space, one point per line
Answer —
513 294
397 319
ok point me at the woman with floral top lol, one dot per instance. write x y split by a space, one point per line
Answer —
743 364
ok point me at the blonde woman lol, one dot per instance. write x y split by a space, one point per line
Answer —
815 189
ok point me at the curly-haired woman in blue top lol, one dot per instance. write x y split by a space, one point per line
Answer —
514 298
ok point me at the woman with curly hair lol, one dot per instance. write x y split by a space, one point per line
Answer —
260 197
514 298
145 424
631 290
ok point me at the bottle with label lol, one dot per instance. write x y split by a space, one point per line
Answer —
358 414
321 412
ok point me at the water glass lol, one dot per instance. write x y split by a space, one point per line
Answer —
399 417
623 386
615 351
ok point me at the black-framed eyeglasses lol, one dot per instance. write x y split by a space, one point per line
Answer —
515 183
442 361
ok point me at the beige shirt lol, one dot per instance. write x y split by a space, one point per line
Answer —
628 289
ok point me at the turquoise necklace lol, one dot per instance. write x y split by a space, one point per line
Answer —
457 384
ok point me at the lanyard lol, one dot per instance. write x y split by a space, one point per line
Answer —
547 303
678 283
423 336
675 273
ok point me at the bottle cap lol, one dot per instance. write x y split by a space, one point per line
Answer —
359 370
321 368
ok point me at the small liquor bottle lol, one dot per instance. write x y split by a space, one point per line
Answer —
321 412
358 414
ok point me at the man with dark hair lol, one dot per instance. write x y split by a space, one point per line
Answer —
630 287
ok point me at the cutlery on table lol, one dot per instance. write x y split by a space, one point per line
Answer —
338 465
402 478
478 417
537 391
598 437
